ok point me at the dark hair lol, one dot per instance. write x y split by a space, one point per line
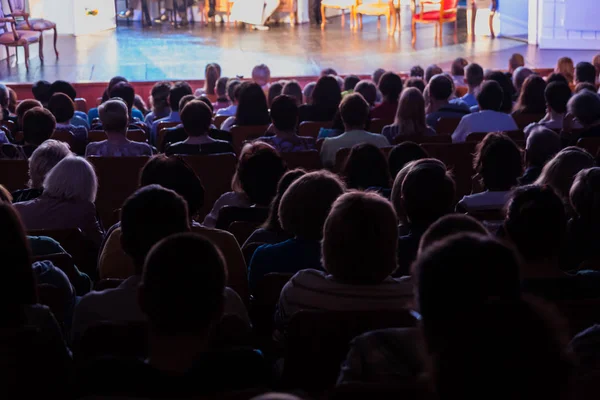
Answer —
402 154
418 83
114 80
585 86
196 118
307 202
42 90
175 174
428 193
272 223
284 113
182 289
38 125
490 96
62 107
458 67
585 106
252 108
365 167
274 90
327 94
585 195
160 95
212 72
542 144
390 86
232 88
125 92
203 99
499 162
557 95
508 90
63 87
360 239
556 77
536 222
350 82
474 74
431 71
368 90
292 88
417 72
221 89
440 87
150 214
532 100
178 90
449 225
585 72
328 71
23 107
377 74
354 111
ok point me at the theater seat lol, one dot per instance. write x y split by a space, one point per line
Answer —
307 160
14 174
263 303
458 158
312 128
342 155
242 134
228 215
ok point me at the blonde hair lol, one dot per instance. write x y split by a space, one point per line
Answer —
410 116
565 67
44 158
73 178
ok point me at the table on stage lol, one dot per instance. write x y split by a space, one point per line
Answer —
76 17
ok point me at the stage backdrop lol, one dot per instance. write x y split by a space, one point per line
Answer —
76 17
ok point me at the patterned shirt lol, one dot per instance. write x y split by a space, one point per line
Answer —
108 149
290 144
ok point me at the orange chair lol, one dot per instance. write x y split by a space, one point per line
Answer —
517 136
219 119
14 174
461 91
379 8
308 160
38 25
376 125
522 120
96 136
81 105
289 7
161 130
11 37
446 11
63 136
242 134
312 128
341 5
137 135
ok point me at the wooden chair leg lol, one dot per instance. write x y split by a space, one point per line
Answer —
360 21
323 19
413 30
7 56
26 50
343 17
55 40
379 22
41 47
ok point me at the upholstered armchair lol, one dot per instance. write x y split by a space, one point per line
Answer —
339 5
435 12
24 23
387 8
10 36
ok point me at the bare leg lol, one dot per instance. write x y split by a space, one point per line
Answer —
323 19
55 40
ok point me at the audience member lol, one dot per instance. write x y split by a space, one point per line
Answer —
93 112
542 144
63 109
252 108
447 226
515 61
275 89
489 118
390 87
38 126
284 118
498 165
212 73
410 118
141 105
556 95
325 100
438 101
565 67
177 133
4 100
366 167
416 83
368 91
350 82
22 108
585 72
308 91
302 212
519 77
457 71
417 72
584 107
377 74
79 117
508 91
261 75
41 91
354 111
402 154
159 99
473 80
126 93
255 181
292 88
554 77
178 90
432 71
596 64
584 86
531 100
233 95
115 120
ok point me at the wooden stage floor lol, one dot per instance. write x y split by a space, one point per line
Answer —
163 52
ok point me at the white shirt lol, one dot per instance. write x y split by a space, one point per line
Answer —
483 121
348 140
227 111
487 200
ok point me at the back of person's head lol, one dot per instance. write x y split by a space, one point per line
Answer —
377 74
532 100
354 111
44 158
560 171
232 86
350 82
596 63
417 72
490 96
261 74
448 225
212 72
183 284
440 87
114 115
498 161
519 77
25 106
125 92
274 90
557 95
175 174
160 95
515 61
292 88
368 90
284 113
508 90
252 105
428 193
410 115
72 178
536 222
365 167
326 93
418 83
178 90
360 238
585 72
542 144
390 86
273 223
458 66
328 72
196 118
189 97
585 106
4 96
432 71
396 195
474 75
41 91
402 154
38 125
63 87
585 195
307 202
62 107
149 215
564 66
307 92
556 77
258 172
584 86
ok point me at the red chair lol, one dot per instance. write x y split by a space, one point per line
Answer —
242 134
458 158
446 125
312 128
446 11
308 160
376 125
11 37
24 23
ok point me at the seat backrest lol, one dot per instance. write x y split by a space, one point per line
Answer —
307 160
96 136
63 136
228 215
312 128
591 144
219 119
522 120
10 125
137 135
108 283
318 341
241 134
446 125
449 4
80 104
423 139
376 125
62 261
118 178
461 91
160 132
216 172
249 249
14 174
57 299
128 340
458 158
580 314
264 300
342 155
16 6
242 229
476 137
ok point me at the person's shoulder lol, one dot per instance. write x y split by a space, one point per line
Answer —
308 277
94 146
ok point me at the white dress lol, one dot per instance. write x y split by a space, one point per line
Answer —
253 12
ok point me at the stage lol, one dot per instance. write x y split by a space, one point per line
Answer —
162 52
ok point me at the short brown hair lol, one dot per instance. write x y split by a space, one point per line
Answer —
360 238
25 106
62 107
354 110
196 118
307 202
114 115
38 125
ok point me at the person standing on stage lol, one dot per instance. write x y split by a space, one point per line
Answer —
133 4
254 12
